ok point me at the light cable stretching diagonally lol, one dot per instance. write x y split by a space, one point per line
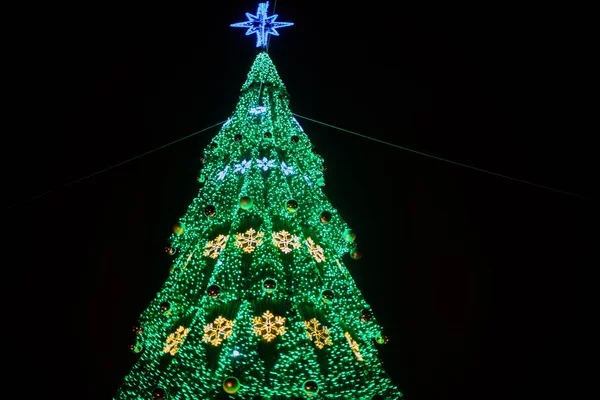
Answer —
443 159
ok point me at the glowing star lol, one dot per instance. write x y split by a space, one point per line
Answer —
249 241
242 167
268 326
261 25
354 346
285 241
318 333
315 250
174 340
214 247
217 331
265 164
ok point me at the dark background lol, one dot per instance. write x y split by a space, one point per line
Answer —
483 283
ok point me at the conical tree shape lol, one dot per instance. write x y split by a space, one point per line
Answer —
259 304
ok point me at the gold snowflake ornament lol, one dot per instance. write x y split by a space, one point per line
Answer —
268 326
214 247
217 331
354 346
317 333
285 241
249 240
315 250
175 339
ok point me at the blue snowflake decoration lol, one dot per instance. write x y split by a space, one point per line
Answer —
261 25
242 167
265 164
258 110
286 169
221 175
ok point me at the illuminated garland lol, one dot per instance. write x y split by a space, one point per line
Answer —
260 177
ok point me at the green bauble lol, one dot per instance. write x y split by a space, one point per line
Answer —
159 394
210 210
137 348
383 339
349 235
311 388
269 285
213 291
246 203
164 306
356 254
231 385
327 296
292 206
325 217
179 228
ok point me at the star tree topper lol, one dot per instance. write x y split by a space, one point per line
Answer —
262 25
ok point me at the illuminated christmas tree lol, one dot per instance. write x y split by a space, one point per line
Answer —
259 303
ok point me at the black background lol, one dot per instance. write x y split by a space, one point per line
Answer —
483 283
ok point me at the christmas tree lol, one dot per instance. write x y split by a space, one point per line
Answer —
258 303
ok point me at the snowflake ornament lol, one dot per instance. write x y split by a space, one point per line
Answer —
315 250
268 326
242 167
175 339
249 240
265 163
286 169
317 333
354 346
258 110
217 331
221 174
285 241
213 248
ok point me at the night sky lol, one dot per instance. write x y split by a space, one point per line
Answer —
483 283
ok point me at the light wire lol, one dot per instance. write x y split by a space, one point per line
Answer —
445 160
324 124
124 162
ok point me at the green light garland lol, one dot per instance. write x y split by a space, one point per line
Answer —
258 301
